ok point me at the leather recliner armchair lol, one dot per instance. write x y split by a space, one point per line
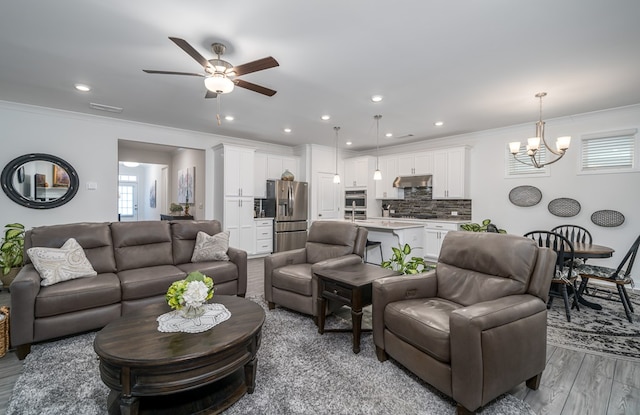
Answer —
288 276
474 327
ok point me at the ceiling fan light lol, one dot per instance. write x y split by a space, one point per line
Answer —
219 84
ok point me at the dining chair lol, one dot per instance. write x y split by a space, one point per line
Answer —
574 233
620 276
564 275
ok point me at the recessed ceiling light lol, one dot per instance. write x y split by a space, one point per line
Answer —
229 118
388 135
131 163
82 87
348 143
376 98
287 130
325 117
438 123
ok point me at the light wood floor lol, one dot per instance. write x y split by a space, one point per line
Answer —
572 383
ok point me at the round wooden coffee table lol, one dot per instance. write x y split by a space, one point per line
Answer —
149 371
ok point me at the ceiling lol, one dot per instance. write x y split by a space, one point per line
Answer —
473 64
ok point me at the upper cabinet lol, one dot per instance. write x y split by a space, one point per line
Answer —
450 175
415 164
276 165
238 171
271 167
357 172
384 188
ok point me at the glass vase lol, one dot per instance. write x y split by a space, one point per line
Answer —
190 311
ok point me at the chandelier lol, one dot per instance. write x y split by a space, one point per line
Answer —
377 175
533 144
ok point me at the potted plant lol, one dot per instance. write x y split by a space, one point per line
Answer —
11 252
175 208
486 226
402 261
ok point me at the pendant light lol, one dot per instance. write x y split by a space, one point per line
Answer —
336 177
377 175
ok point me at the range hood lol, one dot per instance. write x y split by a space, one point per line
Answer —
413 181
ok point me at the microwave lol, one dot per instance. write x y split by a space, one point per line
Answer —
355 198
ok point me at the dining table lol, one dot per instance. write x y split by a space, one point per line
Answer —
585 250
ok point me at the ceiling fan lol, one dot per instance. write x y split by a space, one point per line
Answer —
220 75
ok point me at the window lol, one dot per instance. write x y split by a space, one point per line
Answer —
125 199
515 168
125 178
612 151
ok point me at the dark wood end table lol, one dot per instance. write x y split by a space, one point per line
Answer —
151 372
351 286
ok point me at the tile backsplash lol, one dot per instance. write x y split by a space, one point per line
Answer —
419 201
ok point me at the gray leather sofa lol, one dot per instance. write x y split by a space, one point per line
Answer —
136 263
476 326
288 276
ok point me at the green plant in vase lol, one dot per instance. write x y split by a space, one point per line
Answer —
401 261
486 226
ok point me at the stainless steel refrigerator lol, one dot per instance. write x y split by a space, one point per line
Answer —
287 202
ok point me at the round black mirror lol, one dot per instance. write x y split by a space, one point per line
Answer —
39 181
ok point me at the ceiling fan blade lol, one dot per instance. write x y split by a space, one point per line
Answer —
211 94
190 51
259 65
172 73
253 87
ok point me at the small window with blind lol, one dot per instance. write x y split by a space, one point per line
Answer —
610 152
515 168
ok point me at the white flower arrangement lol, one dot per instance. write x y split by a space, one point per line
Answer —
191 292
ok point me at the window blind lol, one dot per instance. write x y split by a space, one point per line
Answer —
608 152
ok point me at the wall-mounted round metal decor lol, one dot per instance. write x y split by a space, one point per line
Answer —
564 207
607 218
525 196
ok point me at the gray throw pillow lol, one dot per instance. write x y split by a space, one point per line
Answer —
61 264
211 248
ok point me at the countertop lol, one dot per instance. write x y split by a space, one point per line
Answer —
387 224
423 221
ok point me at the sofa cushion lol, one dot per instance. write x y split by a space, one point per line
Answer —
149 281
60 264
468 272
211 247
220 271
423 323
95 239
141 244
76 295
183 237
296 278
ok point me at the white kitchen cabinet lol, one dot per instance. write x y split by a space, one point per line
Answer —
260 176
434 234
239 221
271 167
450 175
238 171
358 172
276 165
415 164
263 236
384 188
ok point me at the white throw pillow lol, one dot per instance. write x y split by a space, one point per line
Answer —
61 264
211 248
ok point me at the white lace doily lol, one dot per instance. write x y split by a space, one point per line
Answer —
173 322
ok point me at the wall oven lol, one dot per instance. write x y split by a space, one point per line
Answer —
355 204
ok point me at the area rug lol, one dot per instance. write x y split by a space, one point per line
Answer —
605 332
299 372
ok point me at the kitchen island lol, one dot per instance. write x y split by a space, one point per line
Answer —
393 233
